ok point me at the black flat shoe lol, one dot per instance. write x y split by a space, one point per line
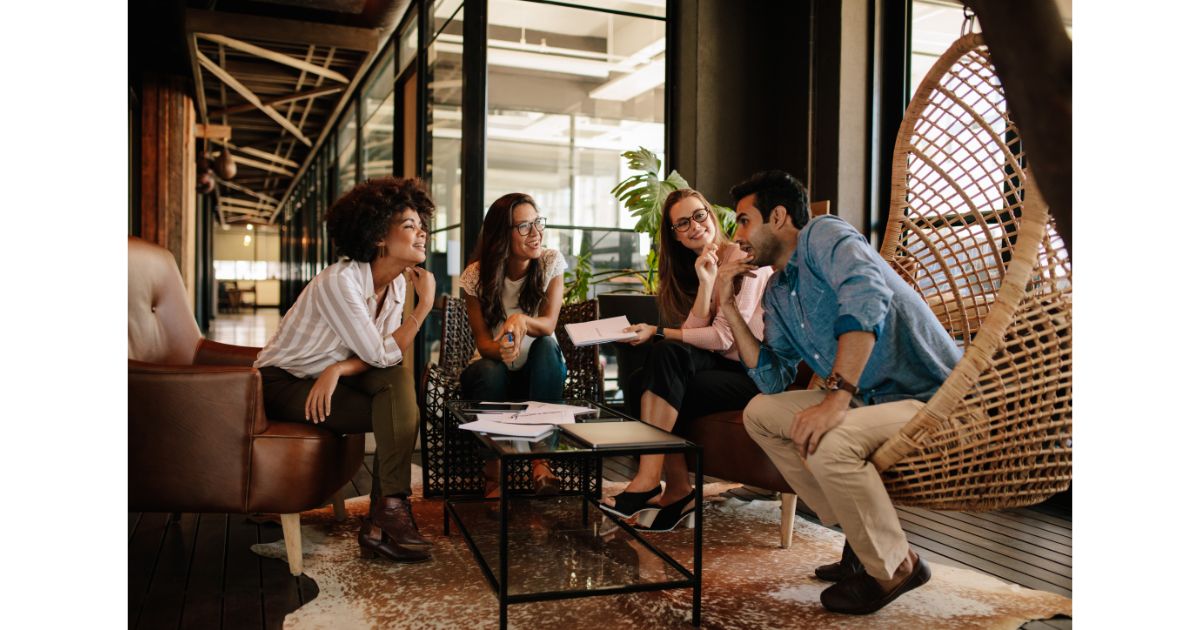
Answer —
628 504
861 594
669 517
838 571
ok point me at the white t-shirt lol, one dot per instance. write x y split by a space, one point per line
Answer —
553 262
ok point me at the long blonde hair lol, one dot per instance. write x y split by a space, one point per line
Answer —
677 281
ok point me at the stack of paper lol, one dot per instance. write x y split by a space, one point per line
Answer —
536 421
599 331
492 427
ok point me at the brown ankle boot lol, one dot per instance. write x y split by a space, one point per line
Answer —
394 516
372 542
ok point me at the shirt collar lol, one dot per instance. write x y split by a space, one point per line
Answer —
368 280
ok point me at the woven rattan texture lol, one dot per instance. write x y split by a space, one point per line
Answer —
968 229
460 450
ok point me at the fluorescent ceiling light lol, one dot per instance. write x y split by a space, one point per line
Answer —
624 88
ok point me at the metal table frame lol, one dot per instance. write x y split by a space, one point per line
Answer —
499 583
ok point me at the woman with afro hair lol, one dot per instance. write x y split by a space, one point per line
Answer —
335 360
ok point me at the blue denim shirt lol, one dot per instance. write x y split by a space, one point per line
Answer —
835 283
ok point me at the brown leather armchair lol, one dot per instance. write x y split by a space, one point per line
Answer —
730 453
199 439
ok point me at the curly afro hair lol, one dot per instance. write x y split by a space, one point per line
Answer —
360 218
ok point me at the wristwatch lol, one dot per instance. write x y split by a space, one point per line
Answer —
837 381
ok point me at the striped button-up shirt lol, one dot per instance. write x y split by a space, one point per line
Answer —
334 319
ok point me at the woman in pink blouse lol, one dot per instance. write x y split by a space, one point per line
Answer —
696 368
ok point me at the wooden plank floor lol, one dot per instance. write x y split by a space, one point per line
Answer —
199 572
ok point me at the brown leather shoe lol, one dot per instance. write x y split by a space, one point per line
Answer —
394 516
373 542
861 594
838 571
546 486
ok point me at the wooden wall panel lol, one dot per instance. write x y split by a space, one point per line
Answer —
168 170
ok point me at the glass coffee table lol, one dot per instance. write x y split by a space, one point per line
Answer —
541 548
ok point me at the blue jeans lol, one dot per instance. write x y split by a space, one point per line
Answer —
541 378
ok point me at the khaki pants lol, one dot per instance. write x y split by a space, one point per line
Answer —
838 481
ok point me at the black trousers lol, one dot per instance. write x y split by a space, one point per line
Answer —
695 382
371 401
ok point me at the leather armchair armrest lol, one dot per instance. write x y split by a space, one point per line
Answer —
215 353
218 397
189 436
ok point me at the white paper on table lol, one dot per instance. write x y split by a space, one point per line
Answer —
542 406
553 416
599 331
504 428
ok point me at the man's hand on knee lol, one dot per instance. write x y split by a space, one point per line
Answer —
811 424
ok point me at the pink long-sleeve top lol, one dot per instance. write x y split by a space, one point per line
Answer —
713 332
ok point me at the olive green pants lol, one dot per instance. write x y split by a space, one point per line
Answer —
382 400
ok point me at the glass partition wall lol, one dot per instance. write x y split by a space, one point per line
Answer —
569 87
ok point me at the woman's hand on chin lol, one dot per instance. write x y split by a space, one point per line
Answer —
423 283
706 265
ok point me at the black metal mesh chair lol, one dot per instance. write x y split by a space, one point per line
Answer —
440 386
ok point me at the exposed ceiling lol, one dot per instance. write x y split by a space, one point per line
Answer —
270 76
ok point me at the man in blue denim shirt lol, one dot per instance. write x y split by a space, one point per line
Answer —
836 305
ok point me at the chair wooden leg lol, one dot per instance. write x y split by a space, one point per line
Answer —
339 505
293 543
787 516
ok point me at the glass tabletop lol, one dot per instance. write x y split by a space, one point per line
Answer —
552 549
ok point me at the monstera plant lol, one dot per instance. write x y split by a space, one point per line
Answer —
642 194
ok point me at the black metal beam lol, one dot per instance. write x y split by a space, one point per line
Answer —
474 117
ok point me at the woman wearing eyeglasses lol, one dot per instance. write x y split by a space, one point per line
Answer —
514 290
695 370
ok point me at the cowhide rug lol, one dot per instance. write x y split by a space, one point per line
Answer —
749 582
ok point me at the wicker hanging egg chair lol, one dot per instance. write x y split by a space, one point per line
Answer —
969 230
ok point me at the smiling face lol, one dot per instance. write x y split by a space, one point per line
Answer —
525 246
696 235
405 238
754 235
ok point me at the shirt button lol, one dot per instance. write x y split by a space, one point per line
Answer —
802 325
818 356
793 294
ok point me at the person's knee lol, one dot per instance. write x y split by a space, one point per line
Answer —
376 380
544 351
755 415
484 376
835 452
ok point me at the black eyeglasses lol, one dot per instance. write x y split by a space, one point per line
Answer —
524 227
699 216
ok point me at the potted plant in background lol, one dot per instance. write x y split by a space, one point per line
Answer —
642 194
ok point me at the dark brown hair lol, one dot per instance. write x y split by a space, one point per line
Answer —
492 252
360 218
677 281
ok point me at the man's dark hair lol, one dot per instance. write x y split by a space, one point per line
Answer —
360 218
775 188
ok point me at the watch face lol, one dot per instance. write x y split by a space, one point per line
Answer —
833 382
